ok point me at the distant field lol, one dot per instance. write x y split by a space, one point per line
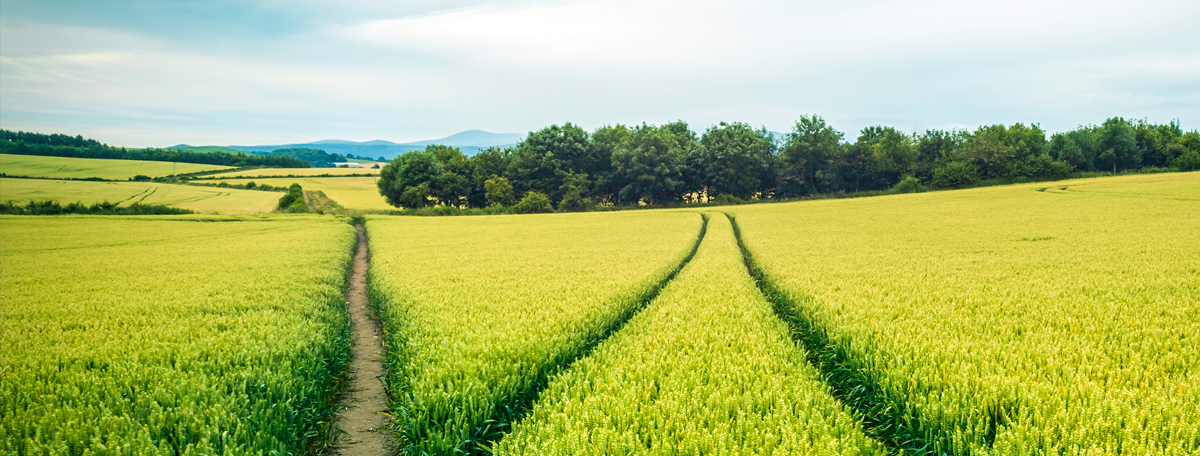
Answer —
209 149
304 172
199 199
79 168
350 192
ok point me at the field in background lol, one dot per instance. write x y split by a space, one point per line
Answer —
209 149
169 335
294 172
199 199
81 168
350 192
1050 318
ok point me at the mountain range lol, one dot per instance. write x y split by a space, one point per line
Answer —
469 142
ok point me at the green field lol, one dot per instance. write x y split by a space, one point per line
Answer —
350 192
480 310
81 168
169 335
199 199
295 172
705 369
1055 318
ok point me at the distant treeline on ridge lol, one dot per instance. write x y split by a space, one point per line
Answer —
57 145
670 164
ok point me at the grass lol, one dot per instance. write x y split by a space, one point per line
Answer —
1045 318
350 192
706 368
169 335
82 168
199 199
479 312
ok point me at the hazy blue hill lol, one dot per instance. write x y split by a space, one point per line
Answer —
207 149
470 142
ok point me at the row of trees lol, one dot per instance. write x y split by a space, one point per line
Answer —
56 145
670 164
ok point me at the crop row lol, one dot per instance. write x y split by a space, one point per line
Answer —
706 368
1006 320
169 335
479 312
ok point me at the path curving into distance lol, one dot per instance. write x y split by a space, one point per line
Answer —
363 426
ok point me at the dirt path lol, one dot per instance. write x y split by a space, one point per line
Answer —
363 424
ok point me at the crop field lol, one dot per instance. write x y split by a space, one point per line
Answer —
350 192
185 335
479 311
199 199
81 168
296 172
1053 318
706 368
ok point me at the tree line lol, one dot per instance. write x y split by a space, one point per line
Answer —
668 164
58 145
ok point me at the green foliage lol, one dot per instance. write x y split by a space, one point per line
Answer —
293 201
23 143
534 203
51 207
573 189
409 179
315 157
734 159
809 157
955 174
908 184
546 157
726 200
1189 161
499 191
651 159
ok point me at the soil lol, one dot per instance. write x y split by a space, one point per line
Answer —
363 425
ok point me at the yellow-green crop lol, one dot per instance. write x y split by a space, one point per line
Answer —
1053 318
82 168
706 368
480 310
295 172
186 335
349 192
196 198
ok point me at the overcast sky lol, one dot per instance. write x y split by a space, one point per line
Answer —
158 73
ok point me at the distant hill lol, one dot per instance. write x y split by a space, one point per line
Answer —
207 149
470 142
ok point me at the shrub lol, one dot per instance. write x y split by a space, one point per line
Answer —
534 203
907 185
724 199
955 174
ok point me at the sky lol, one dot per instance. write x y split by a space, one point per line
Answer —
219 72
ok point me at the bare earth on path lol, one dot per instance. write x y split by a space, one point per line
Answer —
363 425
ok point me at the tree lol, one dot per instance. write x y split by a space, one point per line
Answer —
989 150
534 203
651 161
574 191
499 191
487 164
408 180
935 147
607 184
809 158
546 157
733 159
1118 145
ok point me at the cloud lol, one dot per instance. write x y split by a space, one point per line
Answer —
415 70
